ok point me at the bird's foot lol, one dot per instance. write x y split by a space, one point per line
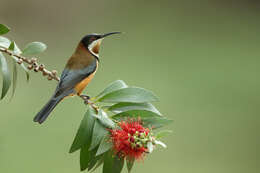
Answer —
88 102
85 97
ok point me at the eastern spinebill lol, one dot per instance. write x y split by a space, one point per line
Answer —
78 72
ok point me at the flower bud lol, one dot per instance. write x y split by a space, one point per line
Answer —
33 60
44 73
49 78
132 139
30 67
36 69
19 61
41 67
54 72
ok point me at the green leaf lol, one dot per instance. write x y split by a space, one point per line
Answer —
85 130
122 107
149 119
156 122
34 48
88 158
108 162
99 131
104 146
116 85
132 94
85 157
11 46
4 42
99 163
118 164
112 164
3 29
129 164
104 119
94 159
14 77
162 133
136 113
6 75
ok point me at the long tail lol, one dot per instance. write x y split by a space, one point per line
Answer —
46 110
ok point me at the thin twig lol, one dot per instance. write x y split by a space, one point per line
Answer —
32 64
87 101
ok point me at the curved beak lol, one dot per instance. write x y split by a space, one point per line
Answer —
110 33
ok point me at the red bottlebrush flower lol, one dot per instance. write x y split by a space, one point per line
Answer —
130 140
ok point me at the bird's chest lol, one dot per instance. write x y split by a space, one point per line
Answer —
82 85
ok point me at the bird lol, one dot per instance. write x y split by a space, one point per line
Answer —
77 74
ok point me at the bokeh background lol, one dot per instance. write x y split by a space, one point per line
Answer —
202 58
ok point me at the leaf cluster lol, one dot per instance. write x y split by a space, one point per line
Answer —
5 44
116 102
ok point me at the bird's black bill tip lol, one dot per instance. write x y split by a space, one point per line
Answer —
110 33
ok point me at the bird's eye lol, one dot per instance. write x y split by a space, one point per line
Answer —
92 39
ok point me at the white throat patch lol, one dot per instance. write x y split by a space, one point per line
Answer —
94 47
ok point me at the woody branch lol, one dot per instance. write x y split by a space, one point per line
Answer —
32 64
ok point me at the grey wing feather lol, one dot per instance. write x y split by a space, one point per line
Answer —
70 78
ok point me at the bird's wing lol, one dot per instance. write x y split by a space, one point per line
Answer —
71 77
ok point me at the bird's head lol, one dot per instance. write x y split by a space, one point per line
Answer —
92 42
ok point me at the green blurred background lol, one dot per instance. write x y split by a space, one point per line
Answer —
202 58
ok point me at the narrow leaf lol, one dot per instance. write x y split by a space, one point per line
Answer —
104 119
118 164
156 122
116 85
88 158
112 164
85 130
136 114
108 162
3 29
14 77
122 107
104 146
133 95
94 159
85 157
34 48
11 46
6 75
99 131
99 163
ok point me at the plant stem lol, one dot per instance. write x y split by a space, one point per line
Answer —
32 64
